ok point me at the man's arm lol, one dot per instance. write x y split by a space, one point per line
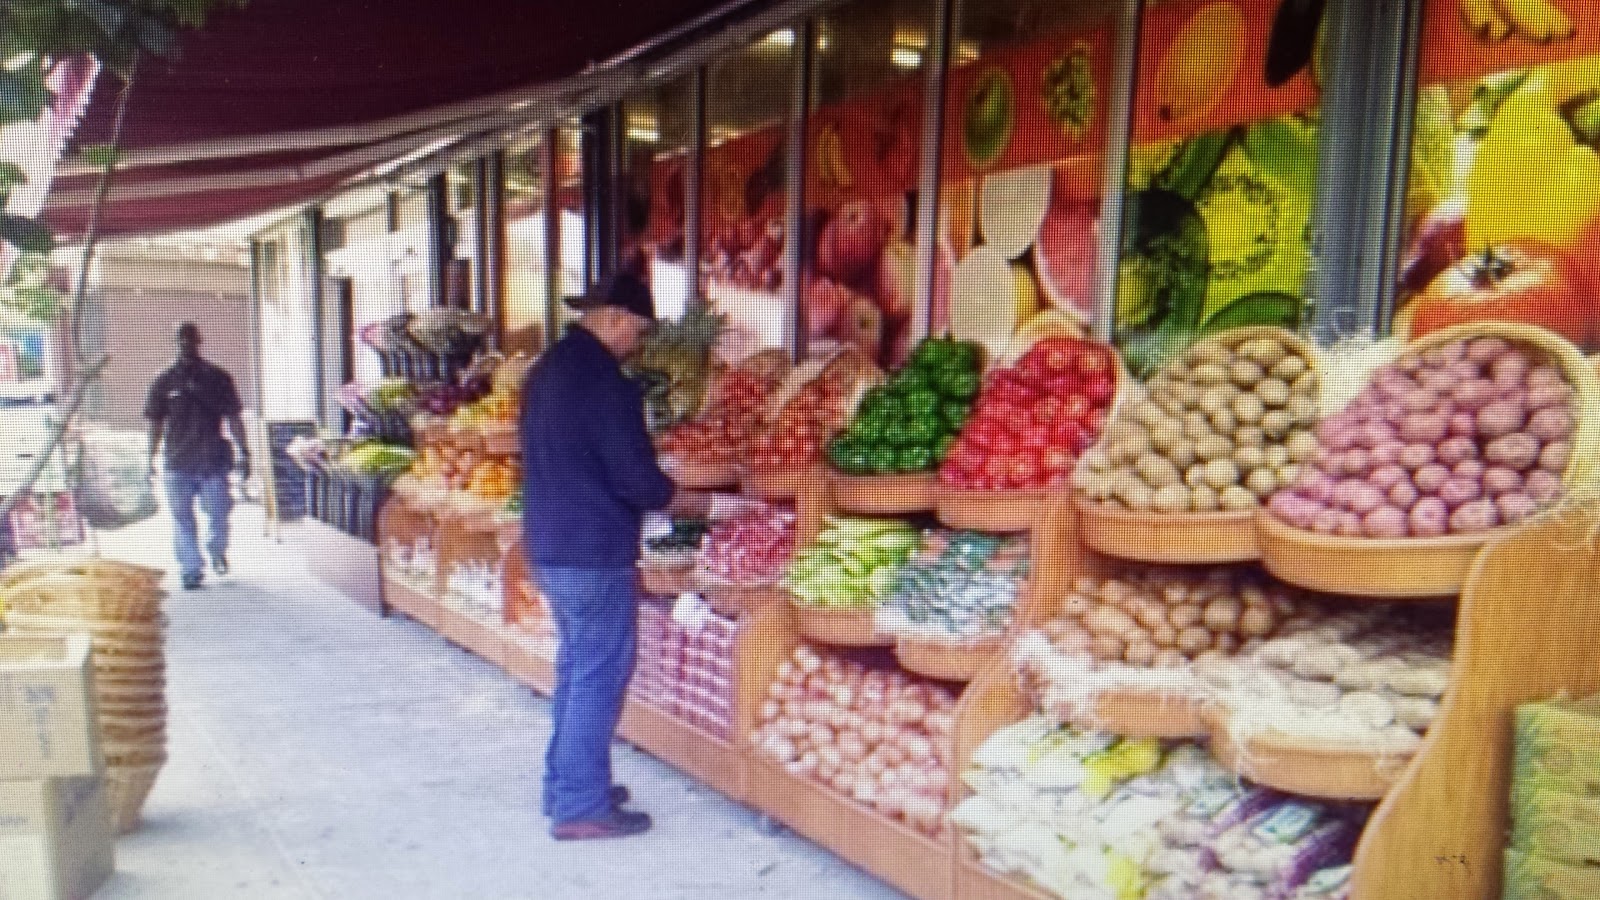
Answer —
236 428
156 427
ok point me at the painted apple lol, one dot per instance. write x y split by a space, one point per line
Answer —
825 300
851 241
897 280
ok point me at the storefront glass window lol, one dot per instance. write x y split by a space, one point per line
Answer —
863 163
658 130
1222 173
527 257
464 268
1502 213
748 100
410 251
572 243
1023 156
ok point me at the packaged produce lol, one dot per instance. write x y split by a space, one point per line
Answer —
909 424
1528 876
753 547
686 670
1557 825
959 586
1368 679
415 562
1557 750
1090 815
1455 439
1032 420
876 736
476 586
1223 427
852 564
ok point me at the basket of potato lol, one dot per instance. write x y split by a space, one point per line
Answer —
1469 431
1180 470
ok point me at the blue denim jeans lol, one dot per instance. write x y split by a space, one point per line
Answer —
215 499
596 612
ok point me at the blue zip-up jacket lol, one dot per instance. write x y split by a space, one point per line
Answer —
589 469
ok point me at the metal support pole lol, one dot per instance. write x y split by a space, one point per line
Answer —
480 235
693 180
940 41
493 226
1367 110
439 250
1119 131
794 325
257 368
311 233
549 178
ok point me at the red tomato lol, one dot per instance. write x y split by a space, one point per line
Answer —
1004 442
1008 387
1099 388
965 456
1075 407
1062 385
1048 409
997 468
1024 468
1094 419
1069 434
1037 436
1056 460
1093 359
983 429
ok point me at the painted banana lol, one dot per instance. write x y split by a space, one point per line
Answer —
830 158
1483 19
1540 21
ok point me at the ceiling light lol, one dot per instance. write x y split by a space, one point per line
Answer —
905 57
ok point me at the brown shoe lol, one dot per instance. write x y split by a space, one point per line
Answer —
618 824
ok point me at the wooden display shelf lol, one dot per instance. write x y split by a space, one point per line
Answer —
784 485
705 757
1527 629
667 581
699 476
735 599
996 511
1395 569
485 639
1299 766
1146 714
1195 538
919 865
415 604
840 627
884 495
946 661
526 663
501 440
975 881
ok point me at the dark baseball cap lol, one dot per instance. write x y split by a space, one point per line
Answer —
621 290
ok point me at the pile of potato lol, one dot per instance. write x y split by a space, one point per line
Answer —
1165 617
1370 677
1456 439
1223 427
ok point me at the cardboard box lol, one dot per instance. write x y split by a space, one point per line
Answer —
47 713
55 838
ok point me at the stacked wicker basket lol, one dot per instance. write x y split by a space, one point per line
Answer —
120 606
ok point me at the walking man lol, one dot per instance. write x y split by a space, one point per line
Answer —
590 474
186 407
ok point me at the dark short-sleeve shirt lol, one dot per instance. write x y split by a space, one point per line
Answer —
589 470
191 400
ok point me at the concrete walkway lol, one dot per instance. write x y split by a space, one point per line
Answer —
319 753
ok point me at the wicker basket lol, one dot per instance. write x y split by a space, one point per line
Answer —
127 789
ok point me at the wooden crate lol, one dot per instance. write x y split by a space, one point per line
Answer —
974 881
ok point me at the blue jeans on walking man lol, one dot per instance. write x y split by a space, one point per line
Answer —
183 488
596 614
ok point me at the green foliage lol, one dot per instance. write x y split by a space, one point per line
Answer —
27 291
34 34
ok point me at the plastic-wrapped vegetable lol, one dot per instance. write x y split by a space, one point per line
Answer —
960 586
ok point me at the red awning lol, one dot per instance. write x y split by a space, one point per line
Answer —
283 100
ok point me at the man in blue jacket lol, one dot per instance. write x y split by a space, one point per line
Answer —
590 474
